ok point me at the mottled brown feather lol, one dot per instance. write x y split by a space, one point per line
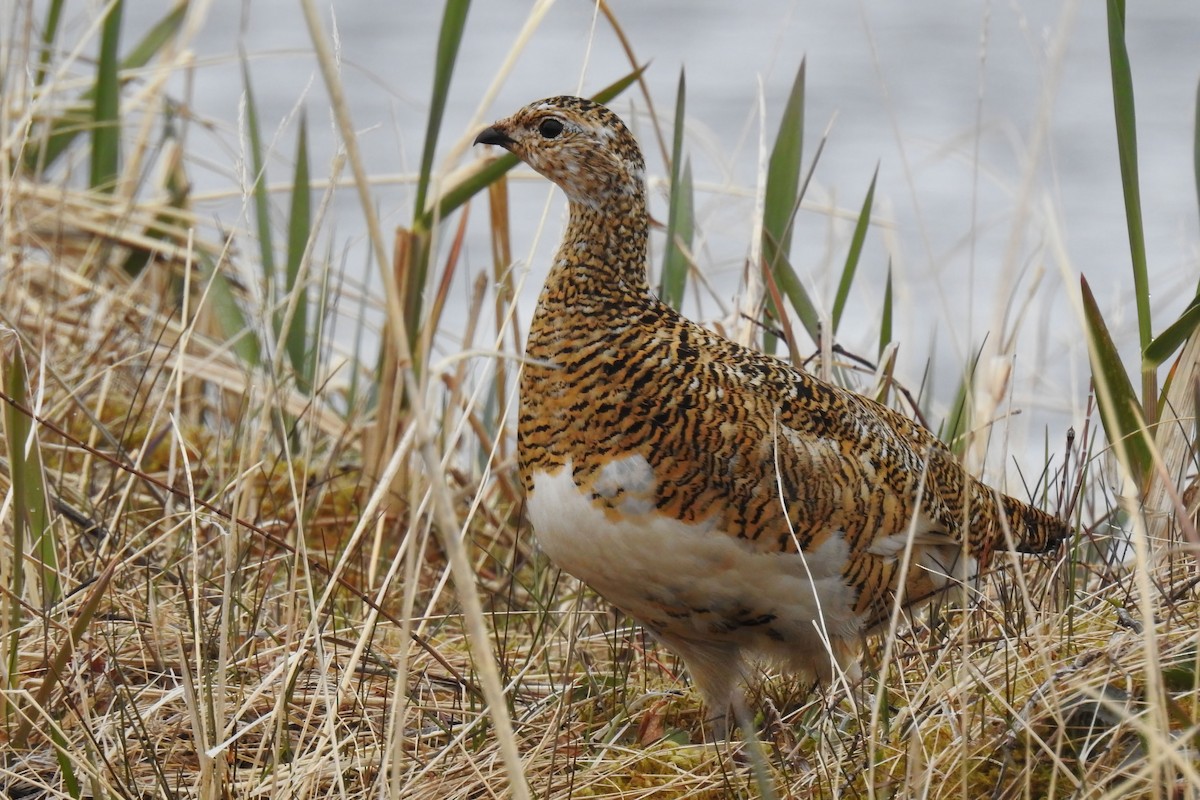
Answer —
733 436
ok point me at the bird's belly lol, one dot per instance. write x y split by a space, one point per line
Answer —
689 580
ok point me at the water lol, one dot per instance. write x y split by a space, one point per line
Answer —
984 119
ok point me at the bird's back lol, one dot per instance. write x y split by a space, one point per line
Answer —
740 443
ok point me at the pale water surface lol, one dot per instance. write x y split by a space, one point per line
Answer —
991 124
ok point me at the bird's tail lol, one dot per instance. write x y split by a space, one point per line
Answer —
1035 530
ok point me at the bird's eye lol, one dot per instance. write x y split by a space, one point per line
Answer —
550 127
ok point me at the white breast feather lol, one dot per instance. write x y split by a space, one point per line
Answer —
646 561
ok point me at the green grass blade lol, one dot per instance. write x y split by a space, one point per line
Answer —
856 243
1126 124
790 286
262 205
416 268
62 749
675 269
299 228
12 598
230 319
460 193
49 34
106 105
1119 407
31 499
454 20
885 317
156 38
64 129
675 266
454 196
783 173
956 427
781 200
1175 335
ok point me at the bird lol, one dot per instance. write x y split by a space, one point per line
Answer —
737 507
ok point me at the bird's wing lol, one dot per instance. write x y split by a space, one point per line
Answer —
859 467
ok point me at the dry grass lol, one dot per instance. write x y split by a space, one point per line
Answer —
224 603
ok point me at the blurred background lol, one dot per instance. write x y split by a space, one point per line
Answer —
991 125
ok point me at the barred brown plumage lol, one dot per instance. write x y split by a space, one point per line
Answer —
732 504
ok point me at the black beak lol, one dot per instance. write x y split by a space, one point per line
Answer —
493 136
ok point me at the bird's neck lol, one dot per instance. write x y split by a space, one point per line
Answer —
604 248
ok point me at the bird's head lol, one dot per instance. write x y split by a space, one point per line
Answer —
580 145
